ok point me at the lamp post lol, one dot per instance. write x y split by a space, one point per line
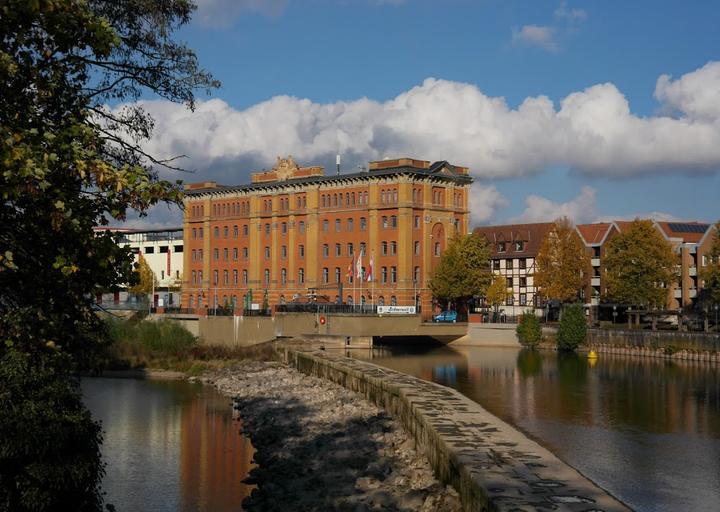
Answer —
717 327
615 313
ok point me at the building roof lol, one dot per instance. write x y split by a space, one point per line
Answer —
594 233
689 232
440 170
531 234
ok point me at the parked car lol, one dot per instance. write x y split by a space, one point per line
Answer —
446 316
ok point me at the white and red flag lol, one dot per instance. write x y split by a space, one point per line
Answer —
358 266
370 268
350 268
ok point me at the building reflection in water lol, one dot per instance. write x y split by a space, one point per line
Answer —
648 430
169 445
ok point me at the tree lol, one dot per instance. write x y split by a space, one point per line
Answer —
145 279
496 294
639 264
529 331
710 274
572 329
69 164
562 265
463 271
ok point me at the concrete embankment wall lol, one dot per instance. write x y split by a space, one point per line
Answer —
491 464
655 339
489 335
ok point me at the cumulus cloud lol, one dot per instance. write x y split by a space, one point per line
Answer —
222 13
655 215
570 14
581 209
484 201
592 131
535 35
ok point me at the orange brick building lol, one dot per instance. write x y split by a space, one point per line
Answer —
294 230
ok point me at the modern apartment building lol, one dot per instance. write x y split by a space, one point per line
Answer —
369 237
162 249
513 252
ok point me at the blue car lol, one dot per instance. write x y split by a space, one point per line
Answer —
446 316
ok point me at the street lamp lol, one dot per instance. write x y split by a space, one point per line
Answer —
615 313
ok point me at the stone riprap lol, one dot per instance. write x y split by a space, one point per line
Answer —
323 447
492 465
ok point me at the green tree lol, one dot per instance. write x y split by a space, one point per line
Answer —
496 294
69 164
562 265
463 271
529 330
572 329
639 264
710 274
145 278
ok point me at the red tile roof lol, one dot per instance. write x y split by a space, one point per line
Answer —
594 233
531 234
689 232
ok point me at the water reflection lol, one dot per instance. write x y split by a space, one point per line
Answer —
169 445
647 430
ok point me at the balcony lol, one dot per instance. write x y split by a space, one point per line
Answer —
692 293
595 281
692 271
595 301
595 262
677 293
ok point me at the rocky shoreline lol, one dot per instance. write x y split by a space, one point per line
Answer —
322 447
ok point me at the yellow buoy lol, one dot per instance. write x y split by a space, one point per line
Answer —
592 355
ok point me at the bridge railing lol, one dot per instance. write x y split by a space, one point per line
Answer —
350 309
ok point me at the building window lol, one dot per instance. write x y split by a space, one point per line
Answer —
194 255
245 230
363 223
191 302
284 227
416 276
226 279
393 274
496 264
437 248
283 276
510 300
519 245
301 227
225 232
326 251
417 222
200 277
235 277
194 277
216 254
509 282
383 248
326 225
245 252
283 251
381 301
362 247
215 277
149 250
383 275
301 276
200 232
393 301
337 274
338 227
521 263
509 264
235 254
325 275
245 277
267 228
235 231
350 249
225 254
194 233
200 254
523 282
393 221
216 232
384 222
501 247
393 248
417 248
338 250
267 253
523 299
301 251
267 276
349 224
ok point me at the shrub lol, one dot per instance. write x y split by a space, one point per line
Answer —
529 331
148 342
573 328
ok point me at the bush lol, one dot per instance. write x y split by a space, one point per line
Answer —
149 342
573 328
529 331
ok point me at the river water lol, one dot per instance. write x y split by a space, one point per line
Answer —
646 430
169 445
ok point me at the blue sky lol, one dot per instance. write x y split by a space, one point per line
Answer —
313 77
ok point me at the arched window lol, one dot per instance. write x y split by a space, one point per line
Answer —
283 276
301 276
337 274
348 301
245 277
191 302
325 275
393 301
393 274
267 276
235 277
381 301
225 277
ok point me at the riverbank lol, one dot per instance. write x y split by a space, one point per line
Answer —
322 447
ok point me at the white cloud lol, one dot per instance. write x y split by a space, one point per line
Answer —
655 215
570 14
591 131
222 13
535 35
581 209
484 201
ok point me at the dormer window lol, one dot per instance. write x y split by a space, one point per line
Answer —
501 247
519 245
